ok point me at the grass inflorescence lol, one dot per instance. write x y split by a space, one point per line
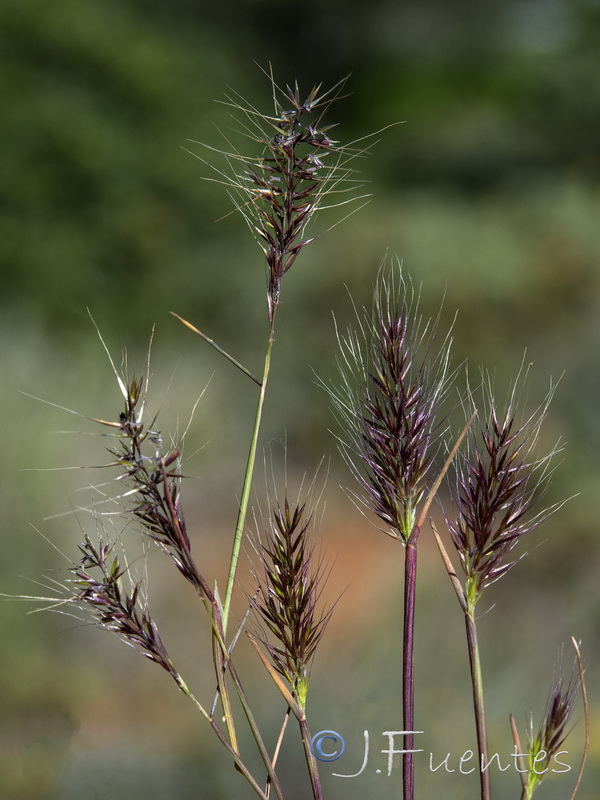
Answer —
393 404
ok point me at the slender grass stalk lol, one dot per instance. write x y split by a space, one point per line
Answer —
282 730
475 667
219 664
478 702
408 658
218 348
410 581
586 714
272 778
239 763
248 475
311 761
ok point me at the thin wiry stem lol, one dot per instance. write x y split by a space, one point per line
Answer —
410 579
218 348
478 704
240 765
586 714
408 658
277 749
248 476
313 769
268 762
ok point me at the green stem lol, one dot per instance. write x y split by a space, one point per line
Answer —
478 704
247 485
222 663
220 668
268 762
286 719
311 761
223 739
217 347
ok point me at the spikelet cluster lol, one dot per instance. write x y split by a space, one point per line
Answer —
300 169
289 586
498 484
388 404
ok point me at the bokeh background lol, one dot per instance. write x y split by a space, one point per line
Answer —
489 192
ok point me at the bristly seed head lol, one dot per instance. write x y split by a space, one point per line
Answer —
289 586
546 743
155 481
99 579
279 191
499 481
393 383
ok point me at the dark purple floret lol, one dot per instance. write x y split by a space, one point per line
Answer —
298 168
389 402
288 591
99 579
499 482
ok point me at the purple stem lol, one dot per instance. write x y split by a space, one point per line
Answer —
408 683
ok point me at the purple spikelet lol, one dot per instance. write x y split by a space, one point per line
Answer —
499 483
393 382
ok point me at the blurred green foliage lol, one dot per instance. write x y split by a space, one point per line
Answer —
489 191
103 208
